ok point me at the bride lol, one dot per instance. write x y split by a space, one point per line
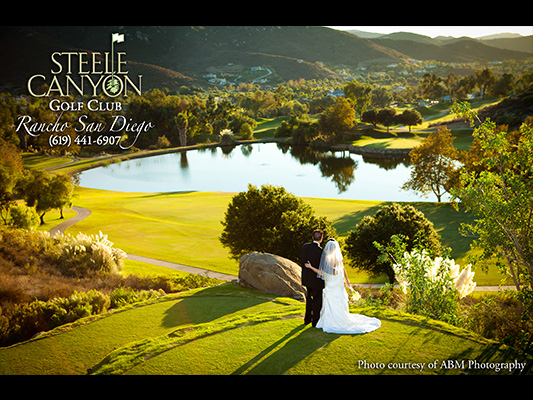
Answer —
335 316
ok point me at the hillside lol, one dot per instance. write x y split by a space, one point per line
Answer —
461 50
180 55
507 41
226 330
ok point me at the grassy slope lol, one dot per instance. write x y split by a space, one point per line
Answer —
184 227
231 330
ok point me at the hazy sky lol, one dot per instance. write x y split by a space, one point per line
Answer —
433 31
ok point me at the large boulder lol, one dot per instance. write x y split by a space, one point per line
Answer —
271 274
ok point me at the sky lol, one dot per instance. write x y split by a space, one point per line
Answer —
433 31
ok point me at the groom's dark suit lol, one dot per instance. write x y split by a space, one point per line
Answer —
313 302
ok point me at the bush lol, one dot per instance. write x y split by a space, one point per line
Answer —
46 282
227 138
22 321
505 316
433 287
390 220
270 220
84 254
122 296
26 320
246 131
23 216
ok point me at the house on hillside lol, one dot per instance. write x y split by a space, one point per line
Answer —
336 93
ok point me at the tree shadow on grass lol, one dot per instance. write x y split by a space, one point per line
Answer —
343 225
212 303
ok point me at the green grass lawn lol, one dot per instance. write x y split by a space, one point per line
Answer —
37 161
184 227
230 330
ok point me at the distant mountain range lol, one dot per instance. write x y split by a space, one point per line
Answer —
504 40
172 56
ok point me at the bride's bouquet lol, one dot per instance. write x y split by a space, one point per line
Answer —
354 296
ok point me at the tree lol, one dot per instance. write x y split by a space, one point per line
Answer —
23 216
504 85
386 117
382 97
45 192
10 172
390 220
371 117
451 84
182 122
434 164
270 220
410 117
501 196
246 131
360 94
484 80
432 86
61 191
337 120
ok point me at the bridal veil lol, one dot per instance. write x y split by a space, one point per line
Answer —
331 261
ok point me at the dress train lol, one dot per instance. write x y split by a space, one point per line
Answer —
335 316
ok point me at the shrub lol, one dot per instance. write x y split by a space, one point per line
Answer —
227 138
505 316
390 220
432 287
246 131
23 216
122 296
83 254
270 220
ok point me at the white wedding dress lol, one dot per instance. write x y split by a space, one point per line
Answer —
335 316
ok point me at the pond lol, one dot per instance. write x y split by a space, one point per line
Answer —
301 170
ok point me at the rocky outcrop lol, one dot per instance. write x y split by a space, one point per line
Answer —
271 274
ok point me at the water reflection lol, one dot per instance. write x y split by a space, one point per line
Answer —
388 163
339 169
302 170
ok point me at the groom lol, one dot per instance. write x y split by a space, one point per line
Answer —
313 300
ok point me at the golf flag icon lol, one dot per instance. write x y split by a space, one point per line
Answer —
117 37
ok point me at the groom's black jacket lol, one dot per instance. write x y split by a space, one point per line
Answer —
311 252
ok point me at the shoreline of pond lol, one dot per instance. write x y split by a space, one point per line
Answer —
107 159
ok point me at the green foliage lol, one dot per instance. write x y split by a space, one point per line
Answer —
433 287
122 296
360 95
336 120
45 192
409 117
390 220
434 165
23 217
10 172
246 131
499 190
88 254
505 316
302 129
22 321
270 220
